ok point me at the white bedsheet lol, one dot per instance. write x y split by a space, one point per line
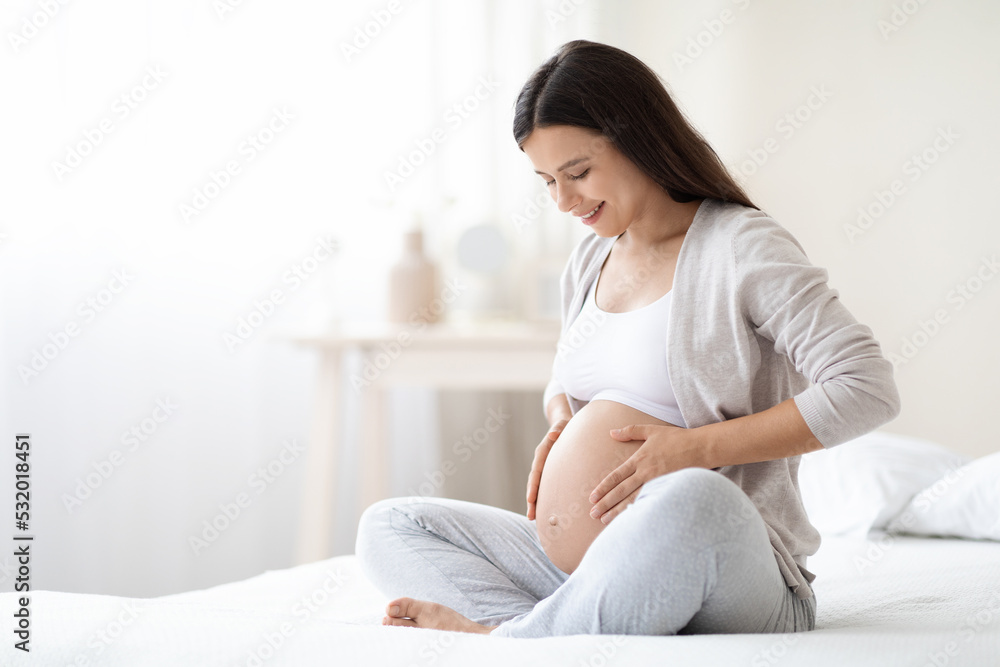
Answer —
882 601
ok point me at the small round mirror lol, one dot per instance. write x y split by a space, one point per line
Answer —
482 248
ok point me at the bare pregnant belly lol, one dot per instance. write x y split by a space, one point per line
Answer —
582 456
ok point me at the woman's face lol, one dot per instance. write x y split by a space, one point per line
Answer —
584 171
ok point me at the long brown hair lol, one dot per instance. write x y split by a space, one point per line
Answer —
600 87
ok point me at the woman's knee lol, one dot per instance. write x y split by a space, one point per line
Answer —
374 521
687 482
698 497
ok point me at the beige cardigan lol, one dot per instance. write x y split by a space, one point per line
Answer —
752 323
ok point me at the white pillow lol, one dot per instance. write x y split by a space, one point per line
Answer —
962 503
862 484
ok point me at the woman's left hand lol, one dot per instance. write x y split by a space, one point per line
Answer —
659 454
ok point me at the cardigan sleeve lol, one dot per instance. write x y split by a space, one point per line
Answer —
788 301
569 281
552 389
567 284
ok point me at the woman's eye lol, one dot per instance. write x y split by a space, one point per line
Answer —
572 178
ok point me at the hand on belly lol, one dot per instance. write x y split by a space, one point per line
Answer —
581 457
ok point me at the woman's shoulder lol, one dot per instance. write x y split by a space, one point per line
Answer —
741 231
718 217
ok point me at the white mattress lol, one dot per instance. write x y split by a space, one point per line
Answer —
903 600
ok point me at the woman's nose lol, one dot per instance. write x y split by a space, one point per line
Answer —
566 198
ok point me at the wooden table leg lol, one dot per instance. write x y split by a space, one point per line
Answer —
372 431
319 486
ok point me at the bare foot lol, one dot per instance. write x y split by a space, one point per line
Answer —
422 614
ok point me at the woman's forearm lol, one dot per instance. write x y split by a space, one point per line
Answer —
775 433
558 408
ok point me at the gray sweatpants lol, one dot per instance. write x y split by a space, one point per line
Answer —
690 555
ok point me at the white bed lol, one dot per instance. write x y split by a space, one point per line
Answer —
889 600
883 598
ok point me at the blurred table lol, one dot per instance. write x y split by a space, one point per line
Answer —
499 356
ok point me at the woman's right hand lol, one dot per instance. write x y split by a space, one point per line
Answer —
541 453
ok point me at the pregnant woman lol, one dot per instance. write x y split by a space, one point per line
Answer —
701 354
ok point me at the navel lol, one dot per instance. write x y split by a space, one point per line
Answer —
553 520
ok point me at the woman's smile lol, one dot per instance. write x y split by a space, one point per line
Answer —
591 217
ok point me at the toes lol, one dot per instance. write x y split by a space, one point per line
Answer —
403 607
412 613
404 622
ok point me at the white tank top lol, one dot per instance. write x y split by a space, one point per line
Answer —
619 357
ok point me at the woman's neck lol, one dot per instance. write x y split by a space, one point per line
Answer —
662 224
